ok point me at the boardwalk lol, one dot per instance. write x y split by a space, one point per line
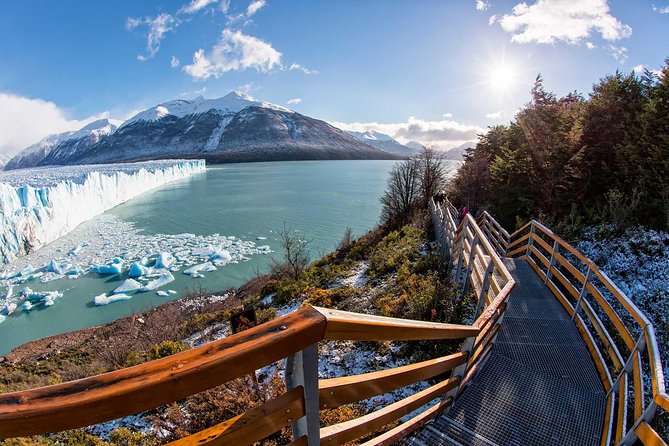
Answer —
539 385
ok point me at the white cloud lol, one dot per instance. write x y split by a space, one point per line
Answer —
194 93
298 67
590 45
196 5
254 7
294 101
661 10
619 53
245 88
225 5
447 115
639 69
24 121
174 62
235 51
445 133
157 28
547 21
482 5
495 115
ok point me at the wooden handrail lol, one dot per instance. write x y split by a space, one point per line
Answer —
527 244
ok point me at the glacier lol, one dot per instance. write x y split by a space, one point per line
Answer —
37 206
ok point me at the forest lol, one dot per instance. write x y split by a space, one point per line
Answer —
573 161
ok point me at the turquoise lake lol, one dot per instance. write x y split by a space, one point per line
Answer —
317 198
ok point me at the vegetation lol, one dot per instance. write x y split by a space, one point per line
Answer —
575 161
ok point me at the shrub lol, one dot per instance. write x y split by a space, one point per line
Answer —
166 348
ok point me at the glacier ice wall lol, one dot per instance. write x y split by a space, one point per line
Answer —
34 214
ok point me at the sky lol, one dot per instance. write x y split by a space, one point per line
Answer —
436 71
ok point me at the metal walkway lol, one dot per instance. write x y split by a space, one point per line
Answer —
539 385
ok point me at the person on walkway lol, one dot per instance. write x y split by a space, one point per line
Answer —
463 213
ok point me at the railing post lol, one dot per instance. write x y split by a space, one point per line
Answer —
472 255
549 273
467 347
302 370
484 289
584 291
529 240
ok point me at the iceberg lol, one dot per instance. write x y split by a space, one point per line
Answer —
127 285
103 299
221 257
59 268
194 271
138 270
113 268
162 293
37 206
164 260
27 306
163 279
8 309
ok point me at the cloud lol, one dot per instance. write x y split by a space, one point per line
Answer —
661 10
245 88
294 101
495 115
548 21
447 115
158 27
174 62
225 6
25 121
298 67
590 45
639 69
446 133
619 53
254 7
482 5
195 6
195 93
235 51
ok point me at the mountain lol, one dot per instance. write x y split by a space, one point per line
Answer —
234 128
456 153
415 145
383 142
57 149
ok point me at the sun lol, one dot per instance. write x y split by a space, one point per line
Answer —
501 77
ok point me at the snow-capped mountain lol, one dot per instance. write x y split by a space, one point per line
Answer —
233 128
56 149
383 142
456 153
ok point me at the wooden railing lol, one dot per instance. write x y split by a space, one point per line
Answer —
294 336
620 338
476 265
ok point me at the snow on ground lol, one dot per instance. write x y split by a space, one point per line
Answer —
638 263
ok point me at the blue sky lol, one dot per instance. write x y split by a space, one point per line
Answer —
436 71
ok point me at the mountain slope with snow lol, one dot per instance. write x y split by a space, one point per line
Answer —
384 142
56 149
233 128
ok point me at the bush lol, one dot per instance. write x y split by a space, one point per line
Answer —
166 348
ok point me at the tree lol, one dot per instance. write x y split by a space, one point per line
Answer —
402 192
432 174
295 257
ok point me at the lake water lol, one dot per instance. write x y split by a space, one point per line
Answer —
319 199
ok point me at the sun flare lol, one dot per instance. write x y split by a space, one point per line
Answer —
501 78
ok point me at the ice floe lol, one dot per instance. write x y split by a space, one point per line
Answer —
103 299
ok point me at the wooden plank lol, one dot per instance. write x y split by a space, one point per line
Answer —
608 420
396 434
146 386
542 243
350 430
662 400
482 346
520 240
622 407
656 372
490 310
604 335
571 268
335 392
594 353
535 267
613 316
541 257
621 297
566 283
518 250
344 325
639 403
253 425
648 436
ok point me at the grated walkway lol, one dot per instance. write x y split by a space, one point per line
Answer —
539 385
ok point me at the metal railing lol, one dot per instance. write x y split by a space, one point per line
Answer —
620 338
